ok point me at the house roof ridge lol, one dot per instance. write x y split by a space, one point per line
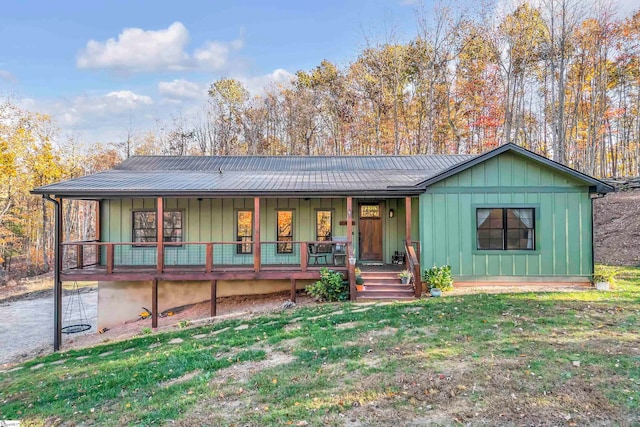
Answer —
421 162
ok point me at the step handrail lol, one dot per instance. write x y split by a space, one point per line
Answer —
413 265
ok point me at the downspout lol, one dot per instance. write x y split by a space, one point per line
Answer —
593 243
57 283
593 234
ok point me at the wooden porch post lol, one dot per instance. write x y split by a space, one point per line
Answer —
407 202
110 249
160 233
351 272
256 234
349 220
304 256
154 304
208 262
98 235
80 256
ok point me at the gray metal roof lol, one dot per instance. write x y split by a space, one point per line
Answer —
257 175
290 163
308 176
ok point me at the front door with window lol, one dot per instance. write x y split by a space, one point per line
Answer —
370 231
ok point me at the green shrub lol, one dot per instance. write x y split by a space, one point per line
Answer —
331 287
605 273
439 277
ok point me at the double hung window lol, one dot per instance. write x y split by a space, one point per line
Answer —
505 228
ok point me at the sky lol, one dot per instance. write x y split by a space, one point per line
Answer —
103 68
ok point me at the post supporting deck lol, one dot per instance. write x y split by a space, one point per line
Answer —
160 233
214 296
256 234
154 304
293 289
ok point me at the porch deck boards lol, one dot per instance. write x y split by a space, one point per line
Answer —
384 268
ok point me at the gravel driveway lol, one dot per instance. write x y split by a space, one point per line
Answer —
26 326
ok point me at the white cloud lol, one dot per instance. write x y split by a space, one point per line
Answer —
128 98
7 76
257 85
181 89
212 56
99 117
138 50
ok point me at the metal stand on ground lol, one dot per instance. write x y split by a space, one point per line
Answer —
79 322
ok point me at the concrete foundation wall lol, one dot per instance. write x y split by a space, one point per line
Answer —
119 302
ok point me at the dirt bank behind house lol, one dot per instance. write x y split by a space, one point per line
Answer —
616 220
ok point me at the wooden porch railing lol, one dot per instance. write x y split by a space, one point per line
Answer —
85 253
205 257
413 265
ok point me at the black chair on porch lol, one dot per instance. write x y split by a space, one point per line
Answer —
316 252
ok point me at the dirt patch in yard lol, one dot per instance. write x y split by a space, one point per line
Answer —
290 344
616 220
183 379
230 392
470 394
241 372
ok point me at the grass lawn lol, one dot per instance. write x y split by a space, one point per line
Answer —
507 359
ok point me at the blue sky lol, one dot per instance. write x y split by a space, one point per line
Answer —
100 67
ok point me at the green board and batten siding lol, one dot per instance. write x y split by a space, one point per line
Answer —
563 227
214 220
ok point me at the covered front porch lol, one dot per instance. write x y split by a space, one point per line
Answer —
242 239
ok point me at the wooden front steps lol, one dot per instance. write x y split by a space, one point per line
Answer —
384 285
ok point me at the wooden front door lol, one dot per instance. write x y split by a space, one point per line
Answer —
370 232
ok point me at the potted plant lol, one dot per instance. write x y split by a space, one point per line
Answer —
359 280
438 279
405 276
604 277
